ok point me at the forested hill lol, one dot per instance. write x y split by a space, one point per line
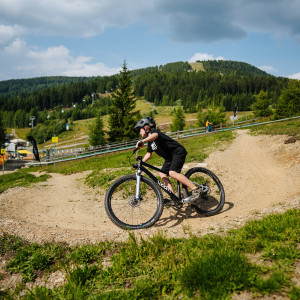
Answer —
15 87
201 84
221 66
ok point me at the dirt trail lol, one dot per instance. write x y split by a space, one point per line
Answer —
260 175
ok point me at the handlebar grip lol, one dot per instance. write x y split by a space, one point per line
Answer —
140 144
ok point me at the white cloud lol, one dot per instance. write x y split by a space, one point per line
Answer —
295 76
268 69
81 69
49 62
9 33
204 56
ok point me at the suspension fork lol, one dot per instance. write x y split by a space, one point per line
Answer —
138 184
138 180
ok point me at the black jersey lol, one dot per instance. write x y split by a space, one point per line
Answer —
164 146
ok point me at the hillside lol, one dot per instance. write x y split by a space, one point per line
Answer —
14 87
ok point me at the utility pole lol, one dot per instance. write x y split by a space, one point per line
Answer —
32 118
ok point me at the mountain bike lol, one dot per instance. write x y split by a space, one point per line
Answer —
136 201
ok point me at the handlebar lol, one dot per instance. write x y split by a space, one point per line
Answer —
140 144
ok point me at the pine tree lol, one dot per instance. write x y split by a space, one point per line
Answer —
289 104
178 121
122 119
96 134
262 105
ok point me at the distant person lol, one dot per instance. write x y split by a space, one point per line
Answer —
208 126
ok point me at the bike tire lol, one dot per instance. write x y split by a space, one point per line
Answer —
127 213
209 203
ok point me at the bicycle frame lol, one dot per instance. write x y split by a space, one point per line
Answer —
140 168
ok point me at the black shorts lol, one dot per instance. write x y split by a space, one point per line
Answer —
176 163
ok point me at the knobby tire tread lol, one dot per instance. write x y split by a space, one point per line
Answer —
123 225
220 187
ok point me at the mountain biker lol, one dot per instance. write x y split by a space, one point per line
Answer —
173 153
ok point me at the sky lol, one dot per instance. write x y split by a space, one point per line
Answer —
95 37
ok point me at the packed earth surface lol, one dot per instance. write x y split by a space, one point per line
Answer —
260 175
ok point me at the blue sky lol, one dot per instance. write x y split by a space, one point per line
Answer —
94 37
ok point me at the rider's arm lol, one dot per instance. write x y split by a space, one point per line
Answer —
147 156
150 137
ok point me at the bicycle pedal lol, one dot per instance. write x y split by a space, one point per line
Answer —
188 200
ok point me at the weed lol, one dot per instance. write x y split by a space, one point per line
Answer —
294 293
217 273
10 243
81 275
32 258
89 253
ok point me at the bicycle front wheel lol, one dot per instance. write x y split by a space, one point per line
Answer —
128 212
212 197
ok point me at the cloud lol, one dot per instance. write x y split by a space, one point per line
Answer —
181 20
268 69
9 33
205 20
204 56
295 76
81 18
184 21
53 61
214 20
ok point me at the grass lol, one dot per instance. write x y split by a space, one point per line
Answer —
258 258
20 132
291 128
197 66
20 178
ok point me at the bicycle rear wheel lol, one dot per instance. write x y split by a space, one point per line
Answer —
212 197
126 211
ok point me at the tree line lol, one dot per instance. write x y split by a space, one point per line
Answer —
226 85
222 84
204 89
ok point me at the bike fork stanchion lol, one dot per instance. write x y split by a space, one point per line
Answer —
138 181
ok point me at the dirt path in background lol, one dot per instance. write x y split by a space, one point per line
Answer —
260 174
